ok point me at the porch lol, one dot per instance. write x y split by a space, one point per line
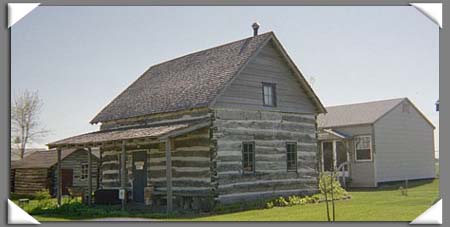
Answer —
335 154
125 142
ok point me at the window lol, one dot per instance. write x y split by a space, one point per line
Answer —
269 94
84 171
363 149
248 157
291 156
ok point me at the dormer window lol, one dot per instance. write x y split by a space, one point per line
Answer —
269 94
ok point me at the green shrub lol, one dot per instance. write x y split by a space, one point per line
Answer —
281 202
294 200
269 205
331 185
42 194
315 198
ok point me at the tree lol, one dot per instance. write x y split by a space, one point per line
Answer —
25 125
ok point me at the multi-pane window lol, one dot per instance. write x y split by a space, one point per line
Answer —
84 171
363 149
269 94
291 156
248 157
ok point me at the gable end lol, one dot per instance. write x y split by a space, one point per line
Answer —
269 65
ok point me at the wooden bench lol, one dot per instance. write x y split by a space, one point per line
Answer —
23 202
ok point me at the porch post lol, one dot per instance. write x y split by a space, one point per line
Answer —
89 176
123 175
59 177
169 147
334 155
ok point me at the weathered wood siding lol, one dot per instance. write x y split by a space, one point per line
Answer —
12 176
74 162
245 92
404 145
30 181
270 131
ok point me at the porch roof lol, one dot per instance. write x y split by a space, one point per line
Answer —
327 134
154 132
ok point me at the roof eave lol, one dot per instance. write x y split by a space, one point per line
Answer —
309 90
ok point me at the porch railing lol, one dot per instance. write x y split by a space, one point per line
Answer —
342 170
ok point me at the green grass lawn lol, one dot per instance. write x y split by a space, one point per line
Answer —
382 204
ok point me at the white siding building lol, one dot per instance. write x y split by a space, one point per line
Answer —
381 141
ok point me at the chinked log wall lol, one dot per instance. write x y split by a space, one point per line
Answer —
191 160
270 131
208 162
30 181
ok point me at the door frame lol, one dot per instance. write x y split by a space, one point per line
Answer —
65 190
334 153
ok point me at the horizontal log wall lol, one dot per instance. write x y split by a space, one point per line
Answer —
156 118
110 168
270 131
30 181
191 165
191 160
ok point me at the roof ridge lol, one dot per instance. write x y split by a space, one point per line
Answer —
96 120
368 102
203 50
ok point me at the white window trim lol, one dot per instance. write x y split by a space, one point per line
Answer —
370 147
272 88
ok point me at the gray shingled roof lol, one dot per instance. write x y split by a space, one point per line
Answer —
43 159
191 81
356 114
119 134
186 82
15 153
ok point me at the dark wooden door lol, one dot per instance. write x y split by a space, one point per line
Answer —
67 180
139 175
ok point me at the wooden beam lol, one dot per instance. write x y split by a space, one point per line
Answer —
185 130
169 147
89 176
123 172
59 177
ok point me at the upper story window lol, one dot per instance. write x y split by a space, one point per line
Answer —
269 94
248 157
363 148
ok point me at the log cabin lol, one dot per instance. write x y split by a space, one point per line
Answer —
37 172
229 124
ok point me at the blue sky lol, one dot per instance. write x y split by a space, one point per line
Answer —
80 58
